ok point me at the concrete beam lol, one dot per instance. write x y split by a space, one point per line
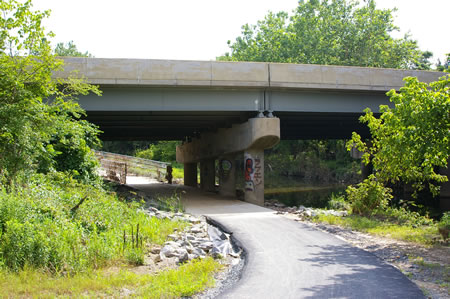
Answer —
146 72
313 76
260 133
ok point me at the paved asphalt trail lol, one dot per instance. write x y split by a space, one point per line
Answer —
287 259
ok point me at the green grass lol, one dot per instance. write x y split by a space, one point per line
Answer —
425 234
40 228
187 280
178 172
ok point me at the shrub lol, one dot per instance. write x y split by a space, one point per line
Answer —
160 151
405 217
444 225
338 202
368 197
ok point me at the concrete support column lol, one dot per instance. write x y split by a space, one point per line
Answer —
254 176
227 176
190 174
208 175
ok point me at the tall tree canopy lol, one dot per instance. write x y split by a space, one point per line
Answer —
39 119
411 140
331 32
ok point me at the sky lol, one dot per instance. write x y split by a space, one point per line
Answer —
200 29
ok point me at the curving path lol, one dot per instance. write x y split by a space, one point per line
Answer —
287 259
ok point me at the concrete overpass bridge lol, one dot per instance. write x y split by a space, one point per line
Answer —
221 109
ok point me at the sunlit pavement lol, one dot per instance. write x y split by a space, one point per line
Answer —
287 259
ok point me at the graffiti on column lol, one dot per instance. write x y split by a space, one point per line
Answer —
257 176
225 167
253 172
248 174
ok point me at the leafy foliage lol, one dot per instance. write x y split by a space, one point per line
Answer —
410 141
444 67
128 148
40 119
338 202
314 161
160 151
332 32
70 49
368 197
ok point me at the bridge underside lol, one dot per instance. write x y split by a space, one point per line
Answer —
218 125
182 113
179 125
222 110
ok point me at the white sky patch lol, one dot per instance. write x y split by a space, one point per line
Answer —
199 29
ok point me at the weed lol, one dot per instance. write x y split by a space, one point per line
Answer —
338 202
172 203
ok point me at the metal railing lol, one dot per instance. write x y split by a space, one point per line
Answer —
117 167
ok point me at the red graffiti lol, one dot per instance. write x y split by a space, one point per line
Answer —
248 169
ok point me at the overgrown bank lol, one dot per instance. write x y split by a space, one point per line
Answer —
61 229
60 237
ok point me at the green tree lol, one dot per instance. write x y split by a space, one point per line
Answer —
70 49
331 32
445 66
38 113
410 141
160 151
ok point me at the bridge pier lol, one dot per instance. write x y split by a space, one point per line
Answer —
254 176
227 176
190 174
250 138
208 175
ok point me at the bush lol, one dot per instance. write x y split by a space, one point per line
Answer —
368 197
160 151
145 154
444 225
338 202
41 228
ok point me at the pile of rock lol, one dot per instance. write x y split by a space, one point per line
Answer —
310 212
302 211
198 240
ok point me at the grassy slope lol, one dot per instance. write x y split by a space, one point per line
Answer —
48 248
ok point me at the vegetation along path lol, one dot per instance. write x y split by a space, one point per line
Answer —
287 259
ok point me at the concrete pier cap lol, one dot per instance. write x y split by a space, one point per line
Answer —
256 133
